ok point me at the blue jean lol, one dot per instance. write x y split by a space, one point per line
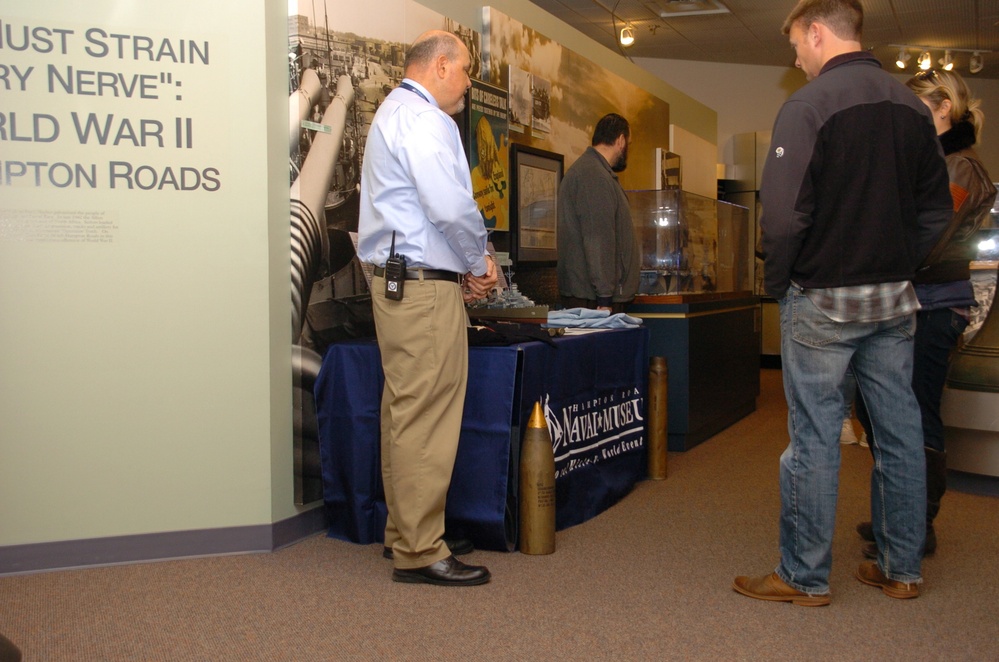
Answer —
816 352
937 333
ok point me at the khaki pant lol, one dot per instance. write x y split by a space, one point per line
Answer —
424 351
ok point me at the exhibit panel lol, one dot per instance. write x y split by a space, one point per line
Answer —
971 397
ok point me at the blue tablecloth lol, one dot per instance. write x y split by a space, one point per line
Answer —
592 388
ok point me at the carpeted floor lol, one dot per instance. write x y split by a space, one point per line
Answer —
650 579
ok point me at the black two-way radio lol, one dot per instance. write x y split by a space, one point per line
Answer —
395 273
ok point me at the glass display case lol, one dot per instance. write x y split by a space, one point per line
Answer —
690 243
696 300
983 272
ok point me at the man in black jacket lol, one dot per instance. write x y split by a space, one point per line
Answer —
854 194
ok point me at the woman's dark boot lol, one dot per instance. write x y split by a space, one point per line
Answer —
936 485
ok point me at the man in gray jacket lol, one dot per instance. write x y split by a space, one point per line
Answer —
854 195
598 259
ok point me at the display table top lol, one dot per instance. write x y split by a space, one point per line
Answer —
690 297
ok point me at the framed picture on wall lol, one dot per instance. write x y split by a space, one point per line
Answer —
521 99
536 175
541 90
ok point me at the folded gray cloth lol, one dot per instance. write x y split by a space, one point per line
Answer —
591 319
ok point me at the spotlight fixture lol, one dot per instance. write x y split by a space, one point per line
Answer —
627 35
947 63
976 63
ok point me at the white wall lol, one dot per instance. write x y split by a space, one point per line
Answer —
145 380
747 98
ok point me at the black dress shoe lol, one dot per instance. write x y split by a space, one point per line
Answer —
458 547
446 572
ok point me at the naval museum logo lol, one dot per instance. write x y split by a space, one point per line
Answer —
595 429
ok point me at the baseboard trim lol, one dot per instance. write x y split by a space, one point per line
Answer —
148 547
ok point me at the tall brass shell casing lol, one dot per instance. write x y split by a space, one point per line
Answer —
537 487
657 417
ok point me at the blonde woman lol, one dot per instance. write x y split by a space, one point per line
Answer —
943 283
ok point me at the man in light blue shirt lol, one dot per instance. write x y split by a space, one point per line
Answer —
416 195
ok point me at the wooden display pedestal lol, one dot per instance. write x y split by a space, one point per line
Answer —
711 342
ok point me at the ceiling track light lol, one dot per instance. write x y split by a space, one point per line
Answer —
976 63
925 60
627 35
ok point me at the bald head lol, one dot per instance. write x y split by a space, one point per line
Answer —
428 47
440 62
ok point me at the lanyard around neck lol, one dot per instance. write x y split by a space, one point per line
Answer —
415 90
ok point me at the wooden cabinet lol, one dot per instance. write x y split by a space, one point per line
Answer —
711 342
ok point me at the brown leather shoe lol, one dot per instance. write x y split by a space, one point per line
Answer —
870 574
446 572
772 587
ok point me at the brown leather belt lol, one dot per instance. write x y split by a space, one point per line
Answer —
428 274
